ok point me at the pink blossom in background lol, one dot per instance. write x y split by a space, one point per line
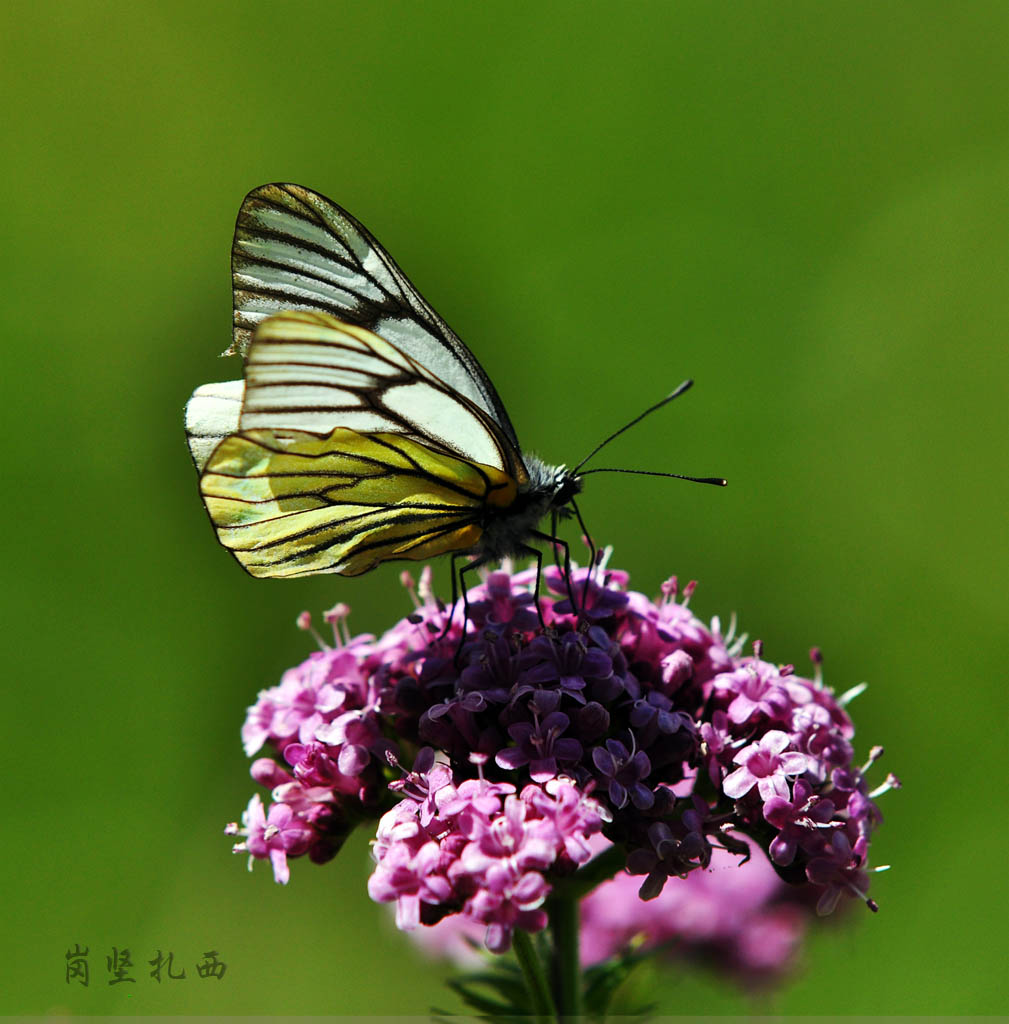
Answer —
740 919
717 913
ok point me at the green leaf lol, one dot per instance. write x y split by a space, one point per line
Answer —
602 981
497 994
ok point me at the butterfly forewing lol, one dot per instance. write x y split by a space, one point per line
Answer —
309 371
296 250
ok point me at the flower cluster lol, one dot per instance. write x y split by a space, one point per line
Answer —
478 848
532 727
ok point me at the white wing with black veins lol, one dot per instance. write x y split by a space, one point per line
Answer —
296 250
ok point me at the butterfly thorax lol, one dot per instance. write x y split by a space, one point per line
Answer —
506 531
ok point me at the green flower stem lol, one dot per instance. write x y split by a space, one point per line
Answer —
560 998
536 979
566 969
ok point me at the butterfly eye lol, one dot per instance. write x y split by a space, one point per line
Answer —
568 486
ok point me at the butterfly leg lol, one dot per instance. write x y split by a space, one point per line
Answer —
565 571
478 563
592 553
538 555
555 542
456 576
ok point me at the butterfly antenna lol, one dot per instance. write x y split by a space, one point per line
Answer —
685 386
716 480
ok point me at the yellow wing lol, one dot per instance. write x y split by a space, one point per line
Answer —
291 502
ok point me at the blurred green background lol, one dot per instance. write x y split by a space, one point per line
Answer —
802 206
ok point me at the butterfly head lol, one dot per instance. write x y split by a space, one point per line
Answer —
548 490
551 488
565 484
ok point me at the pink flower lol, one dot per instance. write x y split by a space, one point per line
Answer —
406 875
275 836
764 764
760 689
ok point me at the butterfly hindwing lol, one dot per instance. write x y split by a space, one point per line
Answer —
296 250
212 413
289 503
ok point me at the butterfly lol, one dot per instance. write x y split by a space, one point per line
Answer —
364 429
